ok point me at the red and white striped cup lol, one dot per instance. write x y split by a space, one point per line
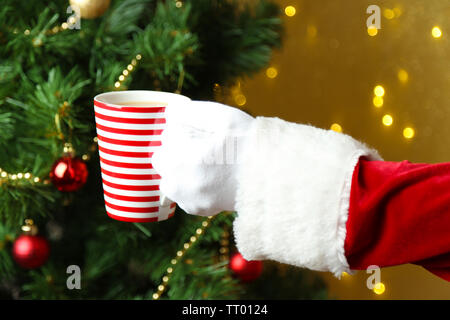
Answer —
129 125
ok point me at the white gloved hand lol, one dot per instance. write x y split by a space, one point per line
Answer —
200 155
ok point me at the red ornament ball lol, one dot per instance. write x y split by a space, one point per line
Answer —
30 252
69 174
247 271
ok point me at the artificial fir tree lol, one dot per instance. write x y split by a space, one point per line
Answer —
51 67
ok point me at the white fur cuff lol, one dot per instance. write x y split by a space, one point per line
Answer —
293 194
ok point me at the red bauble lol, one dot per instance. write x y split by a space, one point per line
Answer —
246 270
69 174
30 252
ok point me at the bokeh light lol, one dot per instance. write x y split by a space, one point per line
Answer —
379 288
290 11
336 127
377 101
271 72
372 31
408 133
387 120
378 91
389 14
402 75
240 99
436 32
397 12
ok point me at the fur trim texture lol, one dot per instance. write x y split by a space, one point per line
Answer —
293 194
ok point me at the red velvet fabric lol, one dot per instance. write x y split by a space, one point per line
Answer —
399 213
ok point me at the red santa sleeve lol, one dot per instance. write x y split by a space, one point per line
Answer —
399 213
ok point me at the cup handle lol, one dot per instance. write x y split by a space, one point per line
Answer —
164 207
164 201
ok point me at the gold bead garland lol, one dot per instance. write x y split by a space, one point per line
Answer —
37 41
132 66
126 72
179 255
224 251
29 227
21 176
6 177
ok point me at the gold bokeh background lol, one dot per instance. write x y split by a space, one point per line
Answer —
327 69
